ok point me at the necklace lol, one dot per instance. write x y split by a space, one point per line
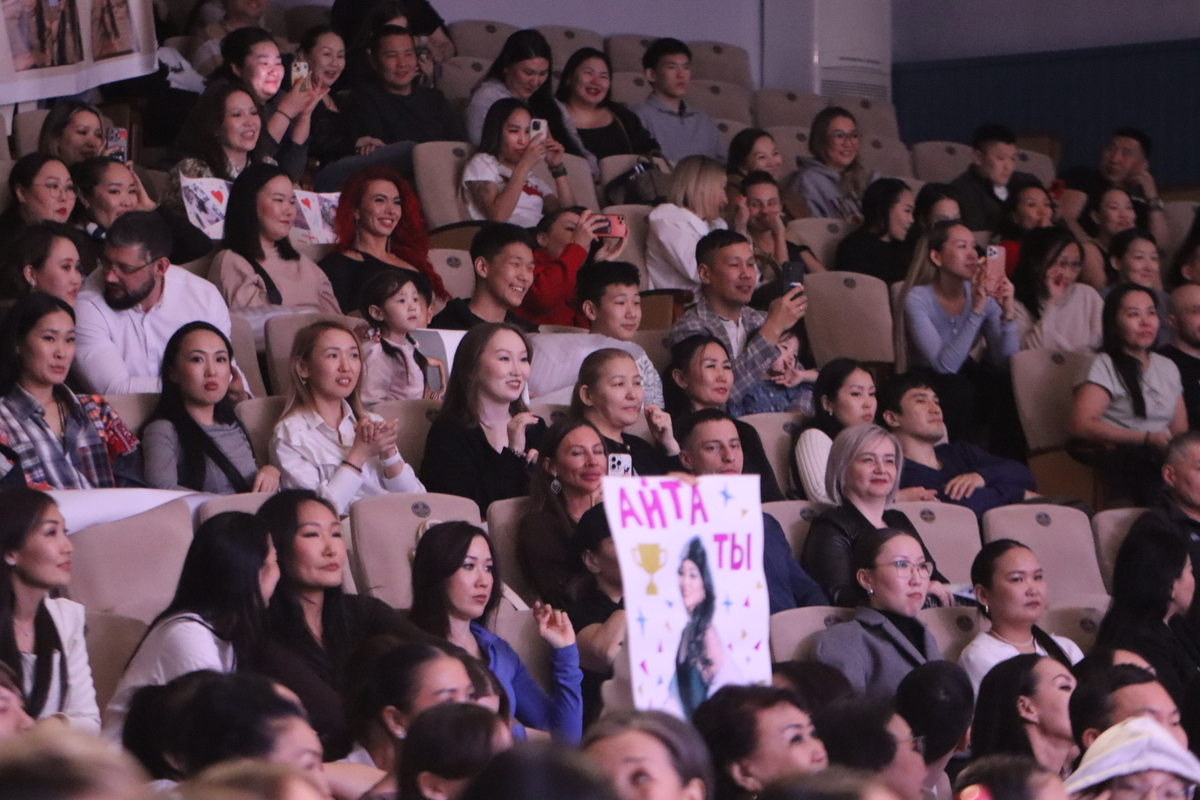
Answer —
1011 642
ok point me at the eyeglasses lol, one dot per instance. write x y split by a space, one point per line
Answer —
1129 790
54 187
904 568
918 746
838 136
108 265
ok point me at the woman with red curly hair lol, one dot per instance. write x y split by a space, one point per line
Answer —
379 226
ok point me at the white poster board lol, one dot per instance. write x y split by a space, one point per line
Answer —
314 217
695 590
205 200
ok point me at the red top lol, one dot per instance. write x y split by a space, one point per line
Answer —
551 298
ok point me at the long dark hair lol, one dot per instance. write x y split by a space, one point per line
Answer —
1147 566
27 312
929 196
23 508
462 389
32 248
197 446
522 46
376 292
877 203
739 149
440 554
1128 368
566 81
675 399
24 171
492 137
983 573
201 135
998 727
241 216
541 496
830 380
1040 248
219 582
694 632
451 740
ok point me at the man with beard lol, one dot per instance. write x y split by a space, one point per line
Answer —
1184 349
129 307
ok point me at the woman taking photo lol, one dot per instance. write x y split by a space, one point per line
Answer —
885 640
379 226
455 585
843 395
834 179
216 615
313 626
609 395
1054 310
1153 587
325 441
651 751
194 440
49 258
1022 709
72 131
41 637
64 440
1110 213
40 190
481 444
754 150
1130 403
522 72
693 209
879 247
864 467
259 267
498 183
107 188
566 485
1011 589
605 127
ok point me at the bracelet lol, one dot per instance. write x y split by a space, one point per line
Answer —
394 458
354 467
289 117
558 171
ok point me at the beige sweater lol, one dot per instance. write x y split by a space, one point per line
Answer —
1072 324
301 283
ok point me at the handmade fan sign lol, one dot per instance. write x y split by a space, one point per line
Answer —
314 217
205 200
695 590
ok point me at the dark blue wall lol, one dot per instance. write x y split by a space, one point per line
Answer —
1081 95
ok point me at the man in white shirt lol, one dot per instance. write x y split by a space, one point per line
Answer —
132 304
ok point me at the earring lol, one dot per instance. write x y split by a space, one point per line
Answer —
870 591
12 562
986 610
556 485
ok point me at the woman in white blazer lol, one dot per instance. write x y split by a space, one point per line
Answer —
41 638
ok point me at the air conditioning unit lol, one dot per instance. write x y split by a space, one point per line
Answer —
830 47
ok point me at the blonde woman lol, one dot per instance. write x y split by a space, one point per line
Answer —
325 441
693 209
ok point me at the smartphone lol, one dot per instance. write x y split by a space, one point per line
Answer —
538 128
994 267
118 143
612 225
793 274
620 465
299 72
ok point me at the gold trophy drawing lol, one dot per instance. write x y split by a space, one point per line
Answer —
652 558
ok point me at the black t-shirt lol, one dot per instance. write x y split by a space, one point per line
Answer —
595 607
864 252
425 115
348 275
1189 372
458 316
1092 183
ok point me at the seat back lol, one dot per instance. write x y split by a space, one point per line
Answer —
456 269
950 532
458 76
1109 529
776 429
729 128
940 162
27 126
721 100
155 181
241 336
1037 164
875 117
637 220
822 235
5 196
415 416
280 332
480 38
1061 538
133 409
774 107
246 503
384 529
630 88
131 566
202 265
258 416
1080 624
887 156
503 517
438 166
794 632
792 142
614 166
111 640
1044 383
565 40
795 517
952 627
1180 214
519 628
652 342
579 176
721 61
625 50
865 334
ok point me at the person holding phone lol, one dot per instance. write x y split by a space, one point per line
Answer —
566 239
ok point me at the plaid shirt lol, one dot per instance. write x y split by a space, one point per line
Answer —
751 365
93 437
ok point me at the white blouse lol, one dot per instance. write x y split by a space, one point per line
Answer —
309 454
986 651
79 705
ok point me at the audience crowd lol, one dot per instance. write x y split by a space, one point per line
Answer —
267 676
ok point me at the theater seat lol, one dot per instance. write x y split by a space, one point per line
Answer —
1080 624
721 100
781 107
876 118
865 333
625 50
579 176
503 518
415 416
518 627
721 61
652 342
792 142
777 430
111 641
384 529
1109 529
951 532
1038 164
629 88
438 167
730 128
952 627
456 269
5 171
821 234
241 336
795 517
458 77
133 409
1180 215
246 503
888 157
940 162
479 38
565 40
794 632
258 416
27 126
